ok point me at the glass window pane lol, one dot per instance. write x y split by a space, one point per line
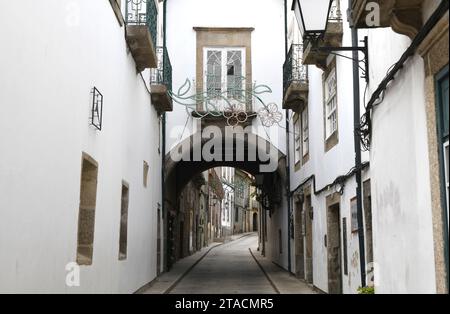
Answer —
234 74
214 73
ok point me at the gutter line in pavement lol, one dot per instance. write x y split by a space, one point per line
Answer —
265 273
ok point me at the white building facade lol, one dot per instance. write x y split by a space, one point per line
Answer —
404 128
325 246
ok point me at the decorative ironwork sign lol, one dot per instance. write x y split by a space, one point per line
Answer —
97 109
234 102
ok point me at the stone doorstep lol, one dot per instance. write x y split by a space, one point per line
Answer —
164 283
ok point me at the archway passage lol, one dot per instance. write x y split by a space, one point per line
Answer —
184 211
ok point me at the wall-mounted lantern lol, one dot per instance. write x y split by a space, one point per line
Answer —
312 17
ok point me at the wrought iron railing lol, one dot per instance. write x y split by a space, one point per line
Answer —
294 71
163 74
231 94
335 12
143 12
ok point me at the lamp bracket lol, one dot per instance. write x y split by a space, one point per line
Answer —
364 49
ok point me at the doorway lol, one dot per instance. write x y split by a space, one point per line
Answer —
299 244
309 240
255 222
334 250
367 203
158 242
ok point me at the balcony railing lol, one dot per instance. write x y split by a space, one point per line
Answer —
225 95
143 12
161 81
293 69
163 74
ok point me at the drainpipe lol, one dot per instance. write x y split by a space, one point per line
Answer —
163 152
358 163
288 165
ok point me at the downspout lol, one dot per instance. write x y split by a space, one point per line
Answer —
163 152
288 165
357 141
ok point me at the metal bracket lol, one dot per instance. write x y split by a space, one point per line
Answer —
364 49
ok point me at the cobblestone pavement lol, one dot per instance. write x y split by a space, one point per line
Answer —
227 269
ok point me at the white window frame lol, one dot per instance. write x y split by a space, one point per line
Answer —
224 77
305 132
331 105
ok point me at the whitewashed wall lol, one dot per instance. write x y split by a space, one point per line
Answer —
403 235
53 53
279 220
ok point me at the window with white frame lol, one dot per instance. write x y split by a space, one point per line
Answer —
297 139
225 74
331 123
305 132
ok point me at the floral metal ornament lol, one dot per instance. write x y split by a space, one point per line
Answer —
233 102
270 115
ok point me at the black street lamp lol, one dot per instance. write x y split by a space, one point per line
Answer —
312 18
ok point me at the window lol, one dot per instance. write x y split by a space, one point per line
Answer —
224 77
331 123
123 238
240 189
344 240
297 140
86 216
145 174
236 214
305 133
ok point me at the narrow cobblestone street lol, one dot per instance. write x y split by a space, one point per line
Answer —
227 269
